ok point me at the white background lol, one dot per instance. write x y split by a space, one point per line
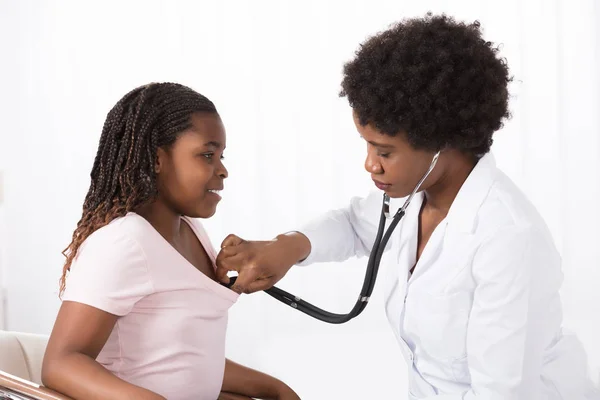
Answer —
273 69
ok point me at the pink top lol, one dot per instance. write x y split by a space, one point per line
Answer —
170 334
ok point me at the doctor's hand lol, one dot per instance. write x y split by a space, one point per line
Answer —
260 264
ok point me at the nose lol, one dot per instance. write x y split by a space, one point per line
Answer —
372 164
221 170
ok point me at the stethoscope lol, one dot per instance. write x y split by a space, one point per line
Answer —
372 266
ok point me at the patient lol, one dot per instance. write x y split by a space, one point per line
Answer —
142 314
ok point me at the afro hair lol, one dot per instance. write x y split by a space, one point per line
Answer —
433 79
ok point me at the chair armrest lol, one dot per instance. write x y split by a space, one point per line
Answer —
25 387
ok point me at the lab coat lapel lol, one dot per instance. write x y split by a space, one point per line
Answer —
430 254
453 238
448 248
398 262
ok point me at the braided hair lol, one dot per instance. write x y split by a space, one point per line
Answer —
123 176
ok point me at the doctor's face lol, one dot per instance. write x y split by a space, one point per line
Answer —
395 166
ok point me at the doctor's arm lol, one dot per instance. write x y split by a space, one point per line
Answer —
335 236
506 335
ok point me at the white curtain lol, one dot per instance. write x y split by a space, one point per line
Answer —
2 248
273 69
3 239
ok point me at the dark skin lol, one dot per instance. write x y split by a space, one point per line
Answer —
397 167
187 173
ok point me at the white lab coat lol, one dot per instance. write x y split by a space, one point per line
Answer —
481 316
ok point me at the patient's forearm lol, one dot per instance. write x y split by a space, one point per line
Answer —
80 377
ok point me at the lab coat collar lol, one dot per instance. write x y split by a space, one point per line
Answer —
463 212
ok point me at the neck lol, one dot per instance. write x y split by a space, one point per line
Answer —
440 196
163 219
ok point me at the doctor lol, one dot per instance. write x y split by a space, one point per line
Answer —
471 274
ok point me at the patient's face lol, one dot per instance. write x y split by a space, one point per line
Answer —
191 171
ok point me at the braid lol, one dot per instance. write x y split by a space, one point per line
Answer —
123 176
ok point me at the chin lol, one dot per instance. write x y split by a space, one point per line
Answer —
398 194
200 212
205 212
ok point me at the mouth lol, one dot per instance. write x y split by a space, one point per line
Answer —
216 192
381 185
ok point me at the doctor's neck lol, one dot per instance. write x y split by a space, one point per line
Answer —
453 169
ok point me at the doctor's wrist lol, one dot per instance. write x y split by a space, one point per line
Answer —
296 244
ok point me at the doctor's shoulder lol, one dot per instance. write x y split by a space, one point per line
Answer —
508 218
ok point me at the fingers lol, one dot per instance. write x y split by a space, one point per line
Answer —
260 284
229 251
225 259
255 282
246 277
227 263
236 255
232 240
221 274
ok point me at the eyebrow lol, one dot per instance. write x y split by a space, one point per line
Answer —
384 146
213 143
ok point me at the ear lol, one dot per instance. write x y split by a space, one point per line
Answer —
161 158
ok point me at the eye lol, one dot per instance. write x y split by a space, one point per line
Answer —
384 155
210 156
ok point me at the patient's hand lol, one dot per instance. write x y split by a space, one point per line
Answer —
232 396
260 264
252 383
286 393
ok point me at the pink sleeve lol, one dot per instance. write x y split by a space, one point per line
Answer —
109 273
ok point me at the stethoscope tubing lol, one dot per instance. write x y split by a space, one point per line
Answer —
377 251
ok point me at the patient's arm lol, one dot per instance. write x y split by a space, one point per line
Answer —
70 365
248 382
233 396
